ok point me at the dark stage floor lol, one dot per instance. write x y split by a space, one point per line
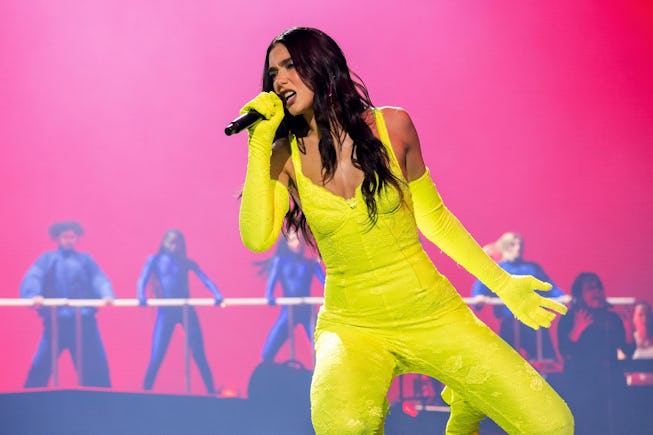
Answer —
108 412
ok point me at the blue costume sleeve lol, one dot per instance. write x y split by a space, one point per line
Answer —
319 273
539 273
99 281
141 285
206 281
500 311
273 276
33 281
478 288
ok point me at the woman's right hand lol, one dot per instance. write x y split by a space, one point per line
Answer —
270 106
582 319
38 301
265 200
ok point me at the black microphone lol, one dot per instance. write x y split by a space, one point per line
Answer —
242 122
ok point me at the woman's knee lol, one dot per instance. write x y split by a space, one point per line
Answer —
463 418
347 418
552 422
562 422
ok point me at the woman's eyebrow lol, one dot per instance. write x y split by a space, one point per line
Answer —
282 63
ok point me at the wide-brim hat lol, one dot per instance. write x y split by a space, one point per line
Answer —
59 227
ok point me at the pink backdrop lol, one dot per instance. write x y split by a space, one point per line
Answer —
534 117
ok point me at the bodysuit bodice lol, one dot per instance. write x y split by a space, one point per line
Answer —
377 274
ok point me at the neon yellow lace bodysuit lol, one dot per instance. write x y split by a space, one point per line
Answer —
388 311
377 275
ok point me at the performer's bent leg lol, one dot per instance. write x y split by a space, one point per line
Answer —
464 418
491 377
353 372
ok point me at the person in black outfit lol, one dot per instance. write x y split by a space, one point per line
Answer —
589 338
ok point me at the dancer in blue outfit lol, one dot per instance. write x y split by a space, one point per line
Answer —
167 271
510 248
294 271
67 273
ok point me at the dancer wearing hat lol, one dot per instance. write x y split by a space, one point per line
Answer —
68 273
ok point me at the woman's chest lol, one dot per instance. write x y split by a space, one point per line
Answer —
334 170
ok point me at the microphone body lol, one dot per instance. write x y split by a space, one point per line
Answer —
242 122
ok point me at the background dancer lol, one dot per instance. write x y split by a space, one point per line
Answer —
294 271
68 273
510 247
168 272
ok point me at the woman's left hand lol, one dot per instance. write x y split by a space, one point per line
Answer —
531 308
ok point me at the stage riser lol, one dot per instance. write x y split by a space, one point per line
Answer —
100 412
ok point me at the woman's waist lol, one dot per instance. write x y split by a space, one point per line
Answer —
416 289
363 257
390 308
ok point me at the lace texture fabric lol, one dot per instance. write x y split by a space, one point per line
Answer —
389 311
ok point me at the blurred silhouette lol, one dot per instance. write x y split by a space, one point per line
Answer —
589 338
290 268
167 271
509 252
68 273
642 321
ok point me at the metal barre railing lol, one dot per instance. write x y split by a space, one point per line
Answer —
227 302
184 303
155 302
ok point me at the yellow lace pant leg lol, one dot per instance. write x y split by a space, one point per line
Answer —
487 377
464 417
352 375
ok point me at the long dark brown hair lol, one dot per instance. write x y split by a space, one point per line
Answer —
181 240
339 102
577 288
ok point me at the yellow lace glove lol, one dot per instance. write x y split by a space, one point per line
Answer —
441 227
265 201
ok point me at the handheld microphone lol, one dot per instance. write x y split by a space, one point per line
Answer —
242 122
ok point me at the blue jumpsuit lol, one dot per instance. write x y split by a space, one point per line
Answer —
294 272
171 281
527 336
73 275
